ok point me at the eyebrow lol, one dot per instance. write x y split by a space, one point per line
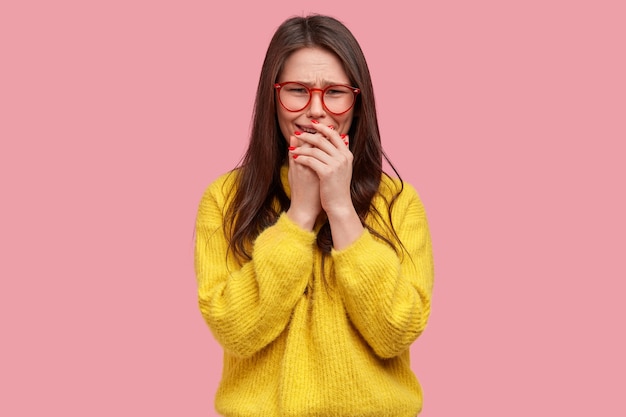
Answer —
325 83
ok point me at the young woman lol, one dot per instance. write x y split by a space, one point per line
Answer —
314 267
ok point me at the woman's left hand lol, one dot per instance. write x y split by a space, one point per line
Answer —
330 157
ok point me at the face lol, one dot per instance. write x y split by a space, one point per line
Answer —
318 68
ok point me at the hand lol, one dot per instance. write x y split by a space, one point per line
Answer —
305 190
327 155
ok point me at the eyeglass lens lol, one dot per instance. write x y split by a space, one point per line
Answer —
336 98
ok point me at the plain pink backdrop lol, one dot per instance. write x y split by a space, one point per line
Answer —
509 117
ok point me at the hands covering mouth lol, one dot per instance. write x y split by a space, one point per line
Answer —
320 157
320 173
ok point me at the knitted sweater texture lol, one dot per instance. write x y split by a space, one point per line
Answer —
302 337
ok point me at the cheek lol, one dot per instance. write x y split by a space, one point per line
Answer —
346 121
284 117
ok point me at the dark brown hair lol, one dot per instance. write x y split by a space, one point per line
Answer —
259 197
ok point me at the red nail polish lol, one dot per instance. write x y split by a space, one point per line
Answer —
297 132
346 143
343 136
291 148
314 122
295 156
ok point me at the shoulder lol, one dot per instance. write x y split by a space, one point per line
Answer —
220 191
401 194
394 188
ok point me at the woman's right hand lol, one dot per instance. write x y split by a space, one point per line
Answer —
305 191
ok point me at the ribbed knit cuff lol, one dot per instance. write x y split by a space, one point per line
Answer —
284 251
363 261
292 227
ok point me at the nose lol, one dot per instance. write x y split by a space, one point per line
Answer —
316 106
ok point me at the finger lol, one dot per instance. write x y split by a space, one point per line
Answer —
293 144
315 153
330 133
317 166
321 162
319 141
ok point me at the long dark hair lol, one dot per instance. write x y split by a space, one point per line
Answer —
259 197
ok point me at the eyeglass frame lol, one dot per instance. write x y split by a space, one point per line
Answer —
355 92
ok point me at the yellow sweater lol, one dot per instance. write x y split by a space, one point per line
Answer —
299 343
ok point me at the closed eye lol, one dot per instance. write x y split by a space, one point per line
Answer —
297 90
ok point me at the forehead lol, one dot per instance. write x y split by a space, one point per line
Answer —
314 66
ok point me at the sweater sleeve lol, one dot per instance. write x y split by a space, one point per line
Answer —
387 296
248 305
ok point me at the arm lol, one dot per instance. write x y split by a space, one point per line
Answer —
247 306
387 297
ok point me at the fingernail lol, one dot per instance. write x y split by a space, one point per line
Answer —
314 122
331 127
346 143
291 148
343 136
295 156
297 132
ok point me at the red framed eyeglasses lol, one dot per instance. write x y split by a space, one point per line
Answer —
337 99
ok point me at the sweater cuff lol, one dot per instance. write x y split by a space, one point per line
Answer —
289 226
283 256
359 257
284 233
356 248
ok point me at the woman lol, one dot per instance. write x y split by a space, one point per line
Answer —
314 267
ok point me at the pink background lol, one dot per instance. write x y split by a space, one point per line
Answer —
507 116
